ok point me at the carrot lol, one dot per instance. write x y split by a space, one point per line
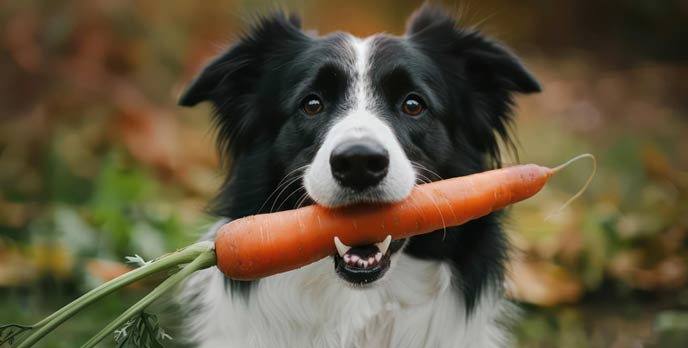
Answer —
262 245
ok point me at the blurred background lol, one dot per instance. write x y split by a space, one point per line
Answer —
97 162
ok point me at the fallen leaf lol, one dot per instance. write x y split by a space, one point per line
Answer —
542 283
105 270
16 268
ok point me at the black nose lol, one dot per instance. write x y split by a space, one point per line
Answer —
360 164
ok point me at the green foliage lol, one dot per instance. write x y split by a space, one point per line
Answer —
117 203
672 327
143 331
10 333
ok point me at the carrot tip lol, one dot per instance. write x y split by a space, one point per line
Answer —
584 155
585 186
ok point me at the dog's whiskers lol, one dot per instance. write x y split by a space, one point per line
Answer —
426 169
422 179
289 196
282 188
284 183
301 200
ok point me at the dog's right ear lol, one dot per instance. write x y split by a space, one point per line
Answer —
234 72
482 60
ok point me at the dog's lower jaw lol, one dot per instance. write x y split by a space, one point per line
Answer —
415 305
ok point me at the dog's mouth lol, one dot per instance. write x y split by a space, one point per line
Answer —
364 264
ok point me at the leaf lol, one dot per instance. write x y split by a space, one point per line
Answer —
542 283
16 268
143 331
137 260
150 134
672 329
104 270
9 333
53 259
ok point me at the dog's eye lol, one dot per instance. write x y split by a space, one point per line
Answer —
413 105
312 105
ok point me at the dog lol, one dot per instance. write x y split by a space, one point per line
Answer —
337 120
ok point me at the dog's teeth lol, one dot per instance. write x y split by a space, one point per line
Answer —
384 245
347 258
341 247
355 259
371 260
378 257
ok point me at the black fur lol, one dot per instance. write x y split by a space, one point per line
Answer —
467 80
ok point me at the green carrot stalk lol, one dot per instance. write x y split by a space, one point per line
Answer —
182 256
204 260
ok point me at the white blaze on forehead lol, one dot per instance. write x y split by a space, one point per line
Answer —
362 85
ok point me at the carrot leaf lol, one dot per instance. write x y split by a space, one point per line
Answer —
143 331
9 333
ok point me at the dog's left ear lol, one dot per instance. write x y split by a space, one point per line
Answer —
234 72
241 83
484 62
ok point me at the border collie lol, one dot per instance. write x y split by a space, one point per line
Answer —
337 120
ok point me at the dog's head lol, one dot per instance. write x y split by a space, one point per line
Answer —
337 120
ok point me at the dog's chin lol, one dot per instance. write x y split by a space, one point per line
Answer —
358 274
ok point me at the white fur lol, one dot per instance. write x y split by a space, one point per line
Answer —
416 306
359 123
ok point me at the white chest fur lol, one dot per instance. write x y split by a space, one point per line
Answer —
413 306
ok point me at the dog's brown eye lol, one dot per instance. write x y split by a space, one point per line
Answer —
312 105
412 105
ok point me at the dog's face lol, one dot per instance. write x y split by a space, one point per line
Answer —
338 120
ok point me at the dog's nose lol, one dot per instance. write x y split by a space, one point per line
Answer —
359 164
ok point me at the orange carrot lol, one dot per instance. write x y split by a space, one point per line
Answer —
262 245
